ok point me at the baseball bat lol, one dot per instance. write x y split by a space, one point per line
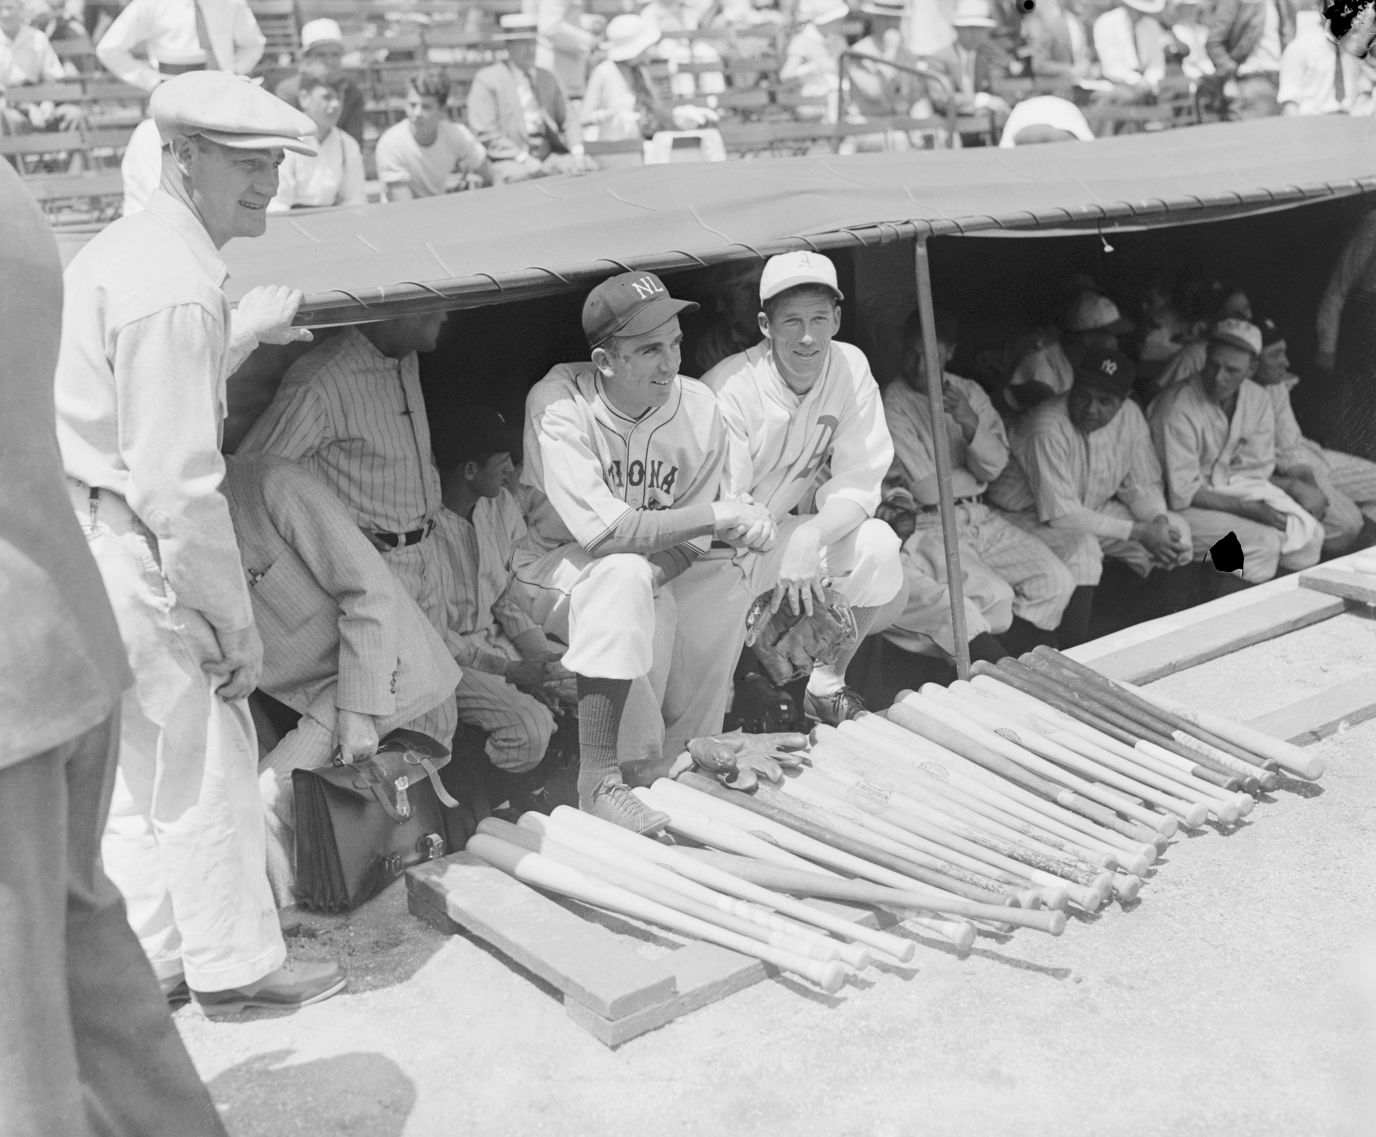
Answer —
660 884
1125 719
890 947
777 809
803 883
906 755
1033 685
665 794
1286 755
1015 748
1106 775
1171 767
880 731
552 876
1170 726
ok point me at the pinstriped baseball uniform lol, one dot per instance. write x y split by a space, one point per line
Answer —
1202 447
483 619
1081 493
1347 481
355 418
1041 583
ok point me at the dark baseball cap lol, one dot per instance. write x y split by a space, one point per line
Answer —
1107 370
629 305
1271 332
479 433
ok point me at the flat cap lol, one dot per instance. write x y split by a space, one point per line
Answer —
230 110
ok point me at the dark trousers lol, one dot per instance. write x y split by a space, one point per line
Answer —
86 1043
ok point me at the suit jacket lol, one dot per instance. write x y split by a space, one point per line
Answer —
496 117
1235 28
337 629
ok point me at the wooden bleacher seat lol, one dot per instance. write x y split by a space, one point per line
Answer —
277 19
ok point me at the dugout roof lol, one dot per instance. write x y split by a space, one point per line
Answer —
513 242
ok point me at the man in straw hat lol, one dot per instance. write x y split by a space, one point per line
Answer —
519 112
147 347
975 63
878 91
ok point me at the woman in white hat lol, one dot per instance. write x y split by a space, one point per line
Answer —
814 55
620 101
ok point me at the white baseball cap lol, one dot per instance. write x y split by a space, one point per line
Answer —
1237 333
320 31
788 270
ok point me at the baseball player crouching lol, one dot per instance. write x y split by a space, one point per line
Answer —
625 459
806 421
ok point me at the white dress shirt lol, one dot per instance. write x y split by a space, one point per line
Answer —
1308 71
166 31
1130 49
334 176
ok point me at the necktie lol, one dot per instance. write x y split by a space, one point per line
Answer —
1339 83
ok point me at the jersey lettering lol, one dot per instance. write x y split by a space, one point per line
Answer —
635 472
822 450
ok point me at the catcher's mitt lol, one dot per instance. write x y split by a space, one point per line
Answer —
787 644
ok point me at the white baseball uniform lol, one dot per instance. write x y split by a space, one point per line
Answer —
1041 584
1081 493
1201 447
598 531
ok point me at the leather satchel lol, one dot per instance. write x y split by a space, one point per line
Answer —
360 826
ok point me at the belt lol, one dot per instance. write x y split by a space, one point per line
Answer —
170 69
973 499
401 540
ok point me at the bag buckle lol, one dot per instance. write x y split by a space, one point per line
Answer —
430 847
392 864
403 800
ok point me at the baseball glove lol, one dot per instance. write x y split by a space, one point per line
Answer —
787 644
739 760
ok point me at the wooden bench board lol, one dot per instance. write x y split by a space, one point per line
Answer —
1358 586
1318 716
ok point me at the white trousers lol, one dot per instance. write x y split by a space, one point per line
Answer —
926 617
184 842
1084 553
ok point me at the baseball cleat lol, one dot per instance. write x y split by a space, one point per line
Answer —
835 708
297 983
613 801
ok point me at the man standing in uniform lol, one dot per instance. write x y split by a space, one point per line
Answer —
626 458
1215 434
806 422
351 412
1085 479
140 392
85 1038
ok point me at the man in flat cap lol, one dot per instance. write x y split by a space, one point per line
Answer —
1085 479
1215 434
147 348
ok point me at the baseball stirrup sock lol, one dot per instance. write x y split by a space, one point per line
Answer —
600 705
828 678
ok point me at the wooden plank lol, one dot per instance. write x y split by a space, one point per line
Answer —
579 958
1190 643
703 974
1320 715
1358 586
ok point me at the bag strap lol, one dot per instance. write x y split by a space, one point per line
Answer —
440 792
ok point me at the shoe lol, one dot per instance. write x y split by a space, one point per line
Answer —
842 704
613 801
175 991
297 983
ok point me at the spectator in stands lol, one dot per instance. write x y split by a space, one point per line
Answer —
621 101
1215 435
343 645
1131 44
568 36
169 33
426 154
1246 40
877 91
670 16
27 58
1042 586
519 113
1045 118
1186 21
58 20
1316 75
322 45
813 56
1346 483
334 174
1057 45
927 27
1048 367
975 63
1085 479
511 671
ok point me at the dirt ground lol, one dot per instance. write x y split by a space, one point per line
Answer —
1236 997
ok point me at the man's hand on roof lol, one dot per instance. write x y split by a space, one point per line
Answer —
267 313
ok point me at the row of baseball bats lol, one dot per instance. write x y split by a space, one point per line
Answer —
1037 787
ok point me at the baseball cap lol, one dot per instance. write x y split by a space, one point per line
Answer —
1237 333
1094 312
228 109
629 305
1108 370
320 31
1271 332
789 270
480 432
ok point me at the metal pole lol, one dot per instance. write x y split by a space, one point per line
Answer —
955 582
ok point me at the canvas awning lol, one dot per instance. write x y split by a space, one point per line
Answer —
469 249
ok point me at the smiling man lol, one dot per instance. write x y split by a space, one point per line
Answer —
147 348
1215 434
807 431
625 458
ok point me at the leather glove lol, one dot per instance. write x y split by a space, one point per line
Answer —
738 760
